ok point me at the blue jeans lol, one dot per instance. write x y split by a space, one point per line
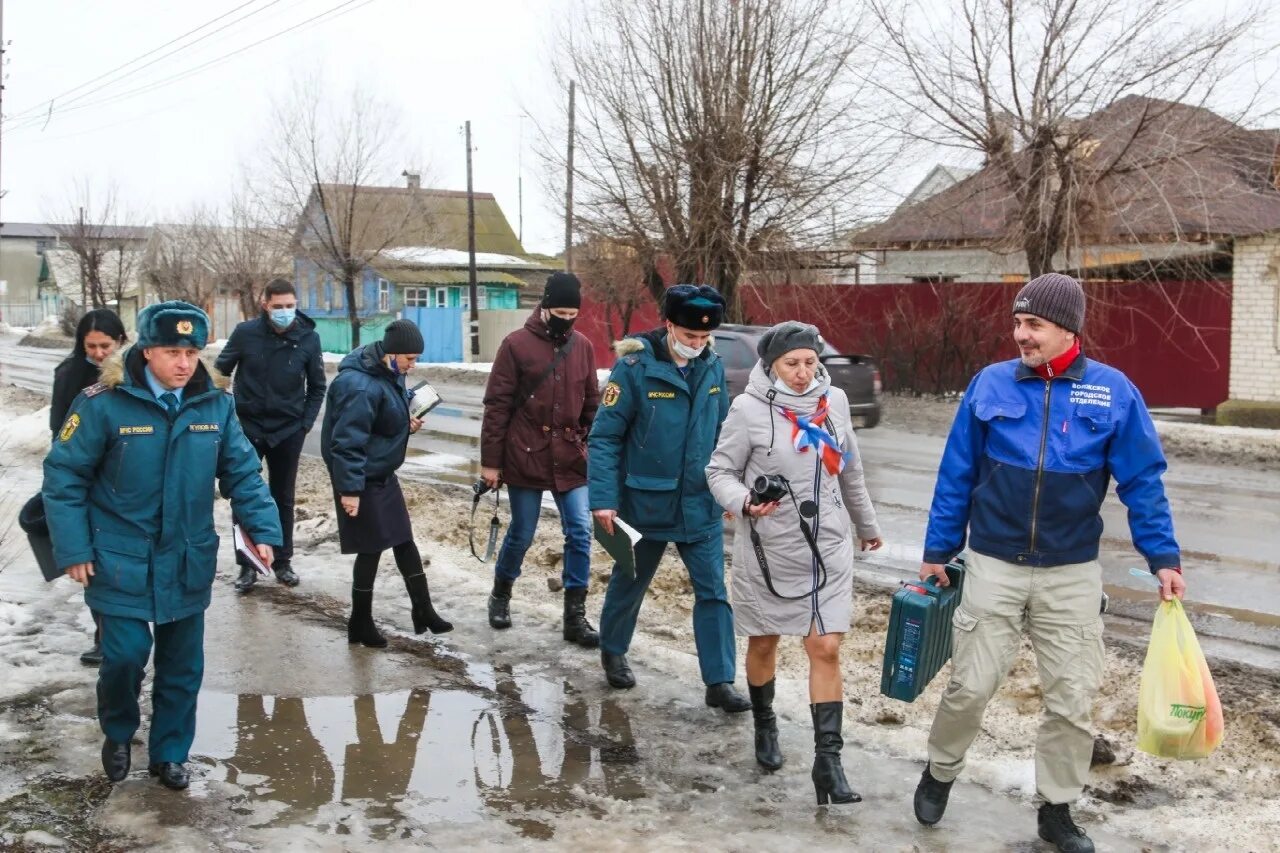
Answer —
575 522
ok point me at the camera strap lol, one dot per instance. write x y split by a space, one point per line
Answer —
809 539
494 526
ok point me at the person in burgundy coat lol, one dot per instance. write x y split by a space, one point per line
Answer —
538 407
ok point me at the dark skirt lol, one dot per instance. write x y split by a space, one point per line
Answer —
382 522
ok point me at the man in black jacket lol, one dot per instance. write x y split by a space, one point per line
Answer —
279 388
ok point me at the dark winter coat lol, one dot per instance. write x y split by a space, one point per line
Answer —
133 493
542 443
72 376
366 421
653 437
279 377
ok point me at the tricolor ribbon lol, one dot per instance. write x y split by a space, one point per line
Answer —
807 432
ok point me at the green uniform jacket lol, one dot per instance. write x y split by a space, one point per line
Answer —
133 494
652 439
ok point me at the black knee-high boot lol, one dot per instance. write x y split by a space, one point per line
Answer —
828 773
409 561
768 753
360 626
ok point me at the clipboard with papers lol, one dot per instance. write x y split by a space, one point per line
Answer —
247 548
620 545
422 399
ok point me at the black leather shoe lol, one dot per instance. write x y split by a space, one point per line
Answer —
92 657
724 697
931 798
617 671
172 775
248 577
115 759
286 575
1057 827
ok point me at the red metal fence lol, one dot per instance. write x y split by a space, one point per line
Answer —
1172 338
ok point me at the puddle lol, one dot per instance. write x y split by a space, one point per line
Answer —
523 751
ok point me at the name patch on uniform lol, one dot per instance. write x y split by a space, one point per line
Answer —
612 392
146 429
715 389
204 427
69 427
662 395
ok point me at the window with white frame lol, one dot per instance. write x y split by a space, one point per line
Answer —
465 295
482 298
339 295
442 297
384 295
417 297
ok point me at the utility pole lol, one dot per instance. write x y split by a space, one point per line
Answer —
568 192
519 179
2 73
471 253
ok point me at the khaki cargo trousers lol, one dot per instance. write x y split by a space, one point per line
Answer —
1059 606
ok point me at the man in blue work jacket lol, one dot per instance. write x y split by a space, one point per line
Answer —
128 495
659 420
1034 444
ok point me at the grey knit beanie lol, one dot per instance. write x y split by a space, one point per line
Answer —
1055 297
786 336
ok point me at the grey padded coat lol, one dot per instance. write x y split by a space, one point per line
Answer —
754 440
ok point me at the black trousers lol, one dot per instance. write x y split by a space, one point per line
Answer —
282 472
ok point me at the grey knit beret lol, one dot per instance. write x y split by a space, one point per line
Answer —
786 336
1055 297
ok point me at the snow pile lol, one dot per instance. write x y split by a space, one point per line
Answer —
50 327
27 435
1242 445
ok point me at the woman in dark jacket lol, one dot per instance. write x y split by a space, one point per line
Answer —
98 335
363 440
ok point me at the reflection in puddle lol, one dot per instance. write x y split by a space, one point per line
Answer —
422 755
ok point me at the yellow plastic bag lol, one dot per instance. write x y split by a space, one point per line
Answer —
1179 715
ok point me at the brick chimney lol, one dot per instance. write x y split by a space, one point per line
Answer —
412 179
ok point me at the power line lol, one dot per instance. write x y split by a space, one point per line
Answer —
333 12
48 103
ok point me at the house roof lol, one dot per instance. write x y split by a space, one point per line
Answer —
410 276
64 271
939 178
52 230
426 217
1188 175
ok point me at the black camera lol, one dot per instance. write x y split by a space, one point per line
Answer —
480 487
768 488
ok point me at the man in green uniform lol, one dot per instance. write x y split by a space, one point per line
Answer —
128 494
658 422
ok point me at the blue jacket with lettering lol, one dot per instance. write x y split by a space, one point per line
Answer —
132 492
1028 462
652 439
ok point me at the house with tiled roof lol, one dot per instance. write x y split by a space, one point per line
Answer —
1174 197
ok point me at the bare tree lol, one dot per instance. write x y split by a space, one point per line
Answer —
106 250
708 129
175 264
617 278
326 160
246 249
1037 88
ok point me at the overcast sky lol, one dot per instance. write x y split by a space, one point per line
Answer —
440 62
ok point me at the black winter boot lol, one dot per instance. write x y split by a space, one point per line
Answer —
500 604
768 753
424 615
1057 827
576 627
247 580
617 671
828 773
931 798
360 627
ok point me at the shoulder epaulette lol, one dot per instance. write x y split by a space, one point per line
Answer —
632 359
96 389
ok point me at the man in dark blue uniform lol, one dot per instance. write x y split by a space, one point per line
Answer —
658 422
128 494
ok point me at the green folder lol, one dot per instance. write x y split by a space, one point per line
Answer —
620 545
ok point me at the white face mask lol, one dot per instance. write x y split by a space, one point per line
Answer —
782 386
685 351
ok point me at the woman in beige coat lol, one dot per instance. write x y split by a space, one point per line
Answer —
791 423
